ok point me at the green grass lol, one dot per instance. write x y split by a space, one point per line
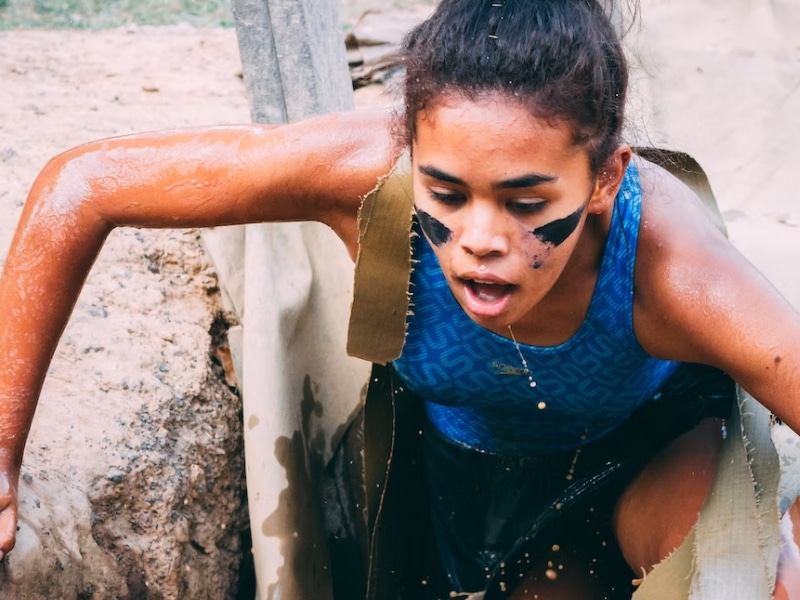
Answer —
104 14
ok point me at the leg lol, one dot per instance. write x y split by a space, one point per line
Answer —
658 509
561 574
788 585
654 513
578 558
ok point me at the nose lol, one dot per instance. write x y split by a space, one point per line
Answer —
483 231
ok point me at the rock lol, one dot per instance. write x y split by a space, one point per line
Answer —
132 483
136 491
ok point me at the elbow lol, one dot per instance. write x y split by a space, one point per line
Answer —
69 191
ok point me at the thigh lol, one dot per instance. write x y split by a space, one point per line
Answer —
562 573
600 551
658 508
578 558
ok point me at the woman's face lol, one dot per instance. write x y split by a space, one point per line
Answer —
502 197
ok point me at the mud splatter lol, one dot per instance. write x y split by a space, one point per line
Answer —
297 521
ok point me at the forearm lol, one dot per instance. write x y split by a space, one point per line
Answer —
55 244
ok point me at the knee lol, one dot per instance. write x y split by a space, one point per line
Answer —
788 581
658 509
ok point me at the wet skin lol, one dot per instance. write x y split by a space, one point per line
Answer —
504 198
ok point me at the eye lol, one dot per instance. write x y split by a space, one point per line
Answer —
526 207
449 198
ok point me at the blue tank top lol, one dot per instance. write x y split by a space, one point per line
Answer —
471 381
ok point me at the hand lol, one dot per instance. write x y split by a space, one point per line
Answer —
8 511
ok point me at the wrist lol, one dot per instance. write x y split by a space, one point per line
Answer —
10 464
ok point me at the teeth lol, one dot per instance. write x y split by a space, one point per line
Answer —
487 297
488 291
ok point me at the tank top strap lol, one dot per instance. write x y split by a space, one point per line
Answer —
612 302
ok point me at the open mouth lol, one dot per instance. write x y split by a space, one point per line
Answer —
488 292
485 298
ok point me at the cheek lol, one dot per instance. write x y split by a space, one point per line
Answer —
543 240
536 252
437 232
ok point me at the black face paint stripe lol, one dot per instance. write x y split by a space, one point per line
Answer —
436 231
559 230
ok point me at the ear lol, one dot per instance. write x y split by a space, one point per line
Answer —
608 180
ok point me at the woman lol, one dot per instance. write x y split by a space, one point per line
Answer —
572 306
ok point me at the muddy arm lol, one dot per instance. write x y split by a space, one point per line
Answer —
315 170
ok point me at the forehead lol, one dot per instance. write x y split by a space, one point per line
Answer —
493 130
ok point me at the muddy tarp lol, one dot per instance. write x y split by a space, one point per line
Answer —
290 284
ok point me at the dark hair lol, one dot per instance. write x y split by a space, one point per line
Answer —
561 58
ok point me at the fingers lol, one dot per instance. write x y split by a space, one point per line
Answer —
8 530
8 514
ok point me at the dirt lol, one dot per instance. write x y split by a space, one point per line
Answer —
133 423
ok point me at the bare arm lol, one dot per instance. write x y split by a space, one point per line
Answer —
700 300
313 170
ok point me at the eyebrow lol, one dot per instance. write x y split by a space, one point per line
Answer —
523 181
440 175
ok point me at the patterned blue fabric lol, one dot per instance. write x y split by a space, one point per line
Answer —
589 384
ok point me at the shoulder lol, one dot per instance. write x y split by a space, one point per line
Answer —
352 154
319 168
697 299
326 162
686 270
345 153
